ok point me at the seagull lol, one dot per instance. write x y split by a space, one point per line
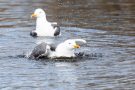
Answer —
43 27
65 49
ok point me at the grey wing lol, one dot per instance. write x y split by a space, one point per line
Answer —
39 51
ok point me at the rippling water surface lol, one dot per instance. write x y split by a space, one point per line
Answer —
108 26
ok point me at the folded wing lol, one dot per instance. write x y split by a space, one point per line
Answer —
41 50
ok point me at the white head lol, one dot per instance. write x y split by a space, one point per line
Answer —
67 47
70 44
39 13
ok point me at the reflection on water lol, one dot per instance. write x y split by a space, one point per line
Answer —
107 26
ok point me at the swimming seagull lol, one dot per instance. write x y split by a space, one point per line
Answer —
65 49
43 27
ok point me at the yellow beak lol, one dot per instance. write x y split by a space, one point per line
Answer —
33 15
76 46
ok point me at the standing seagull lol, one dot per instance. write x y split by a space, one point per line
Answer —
43 27
64 49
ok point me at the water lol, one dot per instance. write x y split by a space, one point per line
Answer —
108 27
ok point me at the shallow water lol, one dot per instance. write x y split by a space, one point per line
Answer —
108 27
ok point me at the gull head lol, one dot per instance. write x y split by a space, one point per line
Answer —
39 13
70 44
66 48
73 43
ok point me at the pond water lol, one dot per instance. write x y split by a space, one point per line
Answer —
107 26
